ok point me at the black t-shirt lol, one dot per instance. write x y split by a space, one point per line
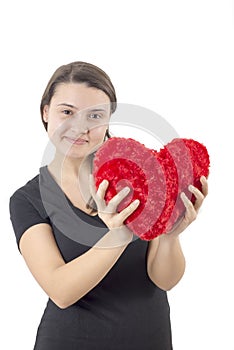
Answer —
125 311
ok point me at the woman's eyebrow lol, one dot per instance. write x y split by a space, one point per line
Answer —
88 109
96 109
67 105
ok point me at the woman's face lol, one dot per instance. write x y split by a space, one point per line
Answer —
77 118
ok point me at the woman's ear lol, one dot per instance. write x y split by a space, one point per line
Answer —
45 115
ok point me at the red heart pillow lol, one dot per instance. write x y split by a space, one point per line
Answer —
155 178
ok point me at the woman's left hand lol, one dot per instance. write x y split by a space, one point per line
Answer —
191 209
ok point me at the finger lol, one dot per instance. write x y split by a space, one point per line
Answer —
101 191
190 214
199 196
204 183
125 213
114 202
100 202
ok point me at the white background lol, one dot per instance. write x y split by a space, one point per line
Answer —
174 57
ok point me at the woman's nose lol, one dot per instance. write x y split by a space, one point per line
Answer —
79 125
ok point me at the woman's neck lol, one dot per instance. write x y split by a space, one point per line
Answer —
68 170
72 177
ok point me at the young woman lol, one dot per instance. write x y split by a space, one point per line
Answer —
106 290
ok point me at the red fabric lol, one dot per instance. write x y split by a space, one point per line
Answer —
155 178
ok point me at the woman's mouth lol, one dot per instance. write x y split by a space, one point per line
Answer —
78 141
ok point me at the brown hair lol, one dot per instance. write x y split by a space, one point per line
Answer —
79 72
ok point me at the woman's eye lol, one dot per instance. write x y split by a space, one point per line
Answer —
94 116
67 112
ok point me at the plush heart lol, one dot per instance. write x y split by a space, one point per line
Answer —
155 178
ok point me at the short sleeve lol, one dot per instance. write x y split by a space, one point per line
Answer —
24 213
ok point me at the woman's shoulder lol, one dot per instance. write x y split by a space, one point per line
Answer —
28 198
30 191
27 208
31 187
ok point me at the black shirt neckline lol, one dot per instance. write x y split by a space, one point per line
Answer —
67 198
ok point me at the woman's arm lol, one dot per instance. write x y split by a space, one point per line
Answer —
65 283
165 259
166 262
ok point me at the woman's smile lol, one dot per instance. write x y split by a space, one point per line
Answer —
74 141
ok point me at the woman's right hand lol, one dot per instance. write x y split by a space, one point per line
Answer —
108 212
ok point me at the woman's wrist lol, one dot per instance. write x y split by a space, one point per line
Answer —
116 237
168 238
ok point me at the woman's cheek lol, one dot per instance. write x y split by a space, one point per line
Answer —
98 133
56 129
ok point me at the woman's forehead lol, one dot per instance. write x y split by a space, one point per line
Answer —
80 96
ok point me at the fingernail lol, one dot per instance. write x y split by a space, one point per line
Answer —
191 188
126 189
202 178
136 201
